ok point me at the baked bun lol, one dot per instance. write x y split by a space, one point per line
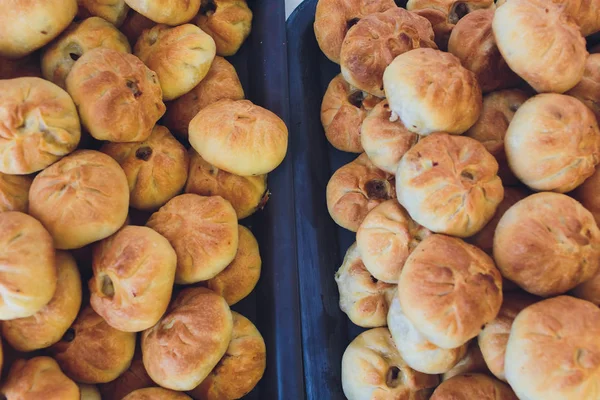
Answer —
89 392
28 277
22 67
553 349
372 368
588 89
373 43
14 192
385 141
170 12
471 363
91 351
38 378
355 189
363 298
240 369
156 393
113 11
334 18
498 111
449 289
48 325
228 21
133 26
418 352
221 82
589 290
494 336
28 25
241 276
39 125
552 57
188 342
58 58
587 194
239 137
430 91
202 230
134 378
449 184
247 194
473 386
547 244
80 199
109 86
156 169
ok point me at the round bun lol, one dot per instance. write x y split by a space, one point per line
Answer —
29 25
471 363
58 58
239 137
449 289
355 189
26 66
108 86
80 199
113 11
372 368
241 276
588 89
552 56
449 184
156 169
202 230
91 351
473 386
547 244
203 320
430 91
589 290
373 43
38 378
553 350
170 12
247 194
14 192
228 21
131 380
240 369
586 194
29 277
156 393
49 324
39 125
89 392
133 26
221 82
362 297
384 141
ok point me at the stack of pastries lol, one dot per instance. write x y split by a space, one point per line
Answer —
475 196
128 157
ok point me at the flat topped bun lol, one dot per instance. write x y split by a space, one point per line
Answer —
430 91
113 11
553 351
170 12
39 125
14 192
588 89
229 22
156 394
473 386
449 289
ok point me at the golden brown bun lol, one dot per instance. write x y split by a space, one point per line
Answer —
355 189
113 11
553 350
239 137
156 169
471 363
14 192
589 290
133 26
91 351
372 368
449 289
588 89
473 386
202 230
188 342
26 66
39 125
28 25
156 394
170 12
38 378
247 194
430 91
449 184
385 238
221 82
133 379
547 244
384 141
541 43
228 21
109 86
373 43
28 277
80 199
334 18
587 194
49 324
241 276
362 297
240 369
89 392
586 14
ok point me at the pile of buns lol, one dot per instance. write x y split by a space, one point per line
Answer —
475 199
93 185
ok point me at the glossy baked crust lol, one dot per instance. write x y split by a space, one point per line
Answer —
114 11
229 22
170 12
473 386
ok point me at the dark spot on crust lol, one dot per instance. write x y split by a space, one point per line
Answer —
143 153
352 22
514 107
373 279
108 288
377 189
208 7
489 279
69 335
392 379
356 98
467 175
135 89
74 56
458 12
435 163
44 32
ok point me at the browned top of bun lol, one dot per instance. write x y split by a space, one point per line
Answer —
588 89
229 22
473 386
156 394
